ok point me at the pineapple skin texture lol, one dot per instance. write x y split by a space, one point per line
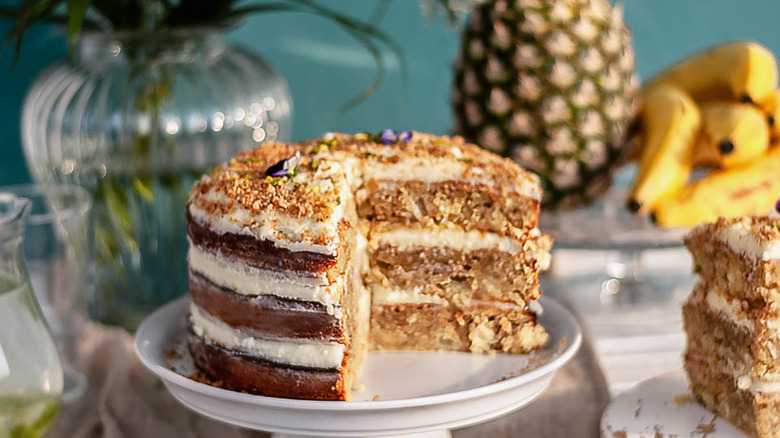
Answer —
551 84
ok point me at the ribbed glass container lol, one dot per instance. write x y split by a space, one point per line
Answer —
136 118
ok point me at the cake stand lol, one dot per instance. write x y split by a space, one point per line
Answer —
663 406
411 394
607 226
629 302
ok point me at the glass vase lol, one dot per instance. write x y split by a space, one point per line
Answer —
136 118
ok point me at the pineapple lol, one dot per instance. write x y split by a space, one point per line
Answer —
551 84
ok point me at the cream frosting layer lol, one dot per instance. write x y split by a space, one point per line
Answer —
304 353
426 169
437 169
719 302
740 238
285 231
730 309
247 280
754 384
383 295
451 237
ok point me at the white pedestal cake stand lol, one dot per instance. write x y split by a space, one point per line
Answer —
413 394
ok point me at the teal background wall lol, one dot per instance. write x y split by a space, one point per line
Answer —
324 66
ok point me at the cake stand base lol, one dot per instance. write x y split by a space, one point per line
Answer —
433 434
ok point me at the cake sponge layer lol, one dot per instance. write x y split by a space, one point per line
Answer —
724 328
468 205
462 274
757 414
480 329
732 255
238 371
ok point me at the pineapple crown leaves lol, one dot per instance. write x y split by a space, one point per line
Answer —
161 15
454 10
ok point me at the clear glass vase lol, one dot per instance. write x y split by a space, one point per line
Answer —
136 118
30 369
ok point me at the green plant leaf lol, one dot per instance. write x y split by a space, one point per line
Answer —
366 34
27 14
77 10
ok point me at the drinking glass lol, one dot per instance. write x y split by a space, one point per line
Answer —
30 370
57 249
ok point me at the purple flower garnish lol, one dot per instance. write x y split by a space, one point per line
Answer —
405 136
285 166
777 206
389 136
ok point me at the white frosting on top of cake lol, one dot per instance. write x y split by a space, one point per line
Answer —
451 237
297 352
247 280
295 195
742 238
285 231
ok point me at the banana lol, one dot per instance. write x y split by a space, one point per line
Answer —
771 106
745 190
740 71
670 121
731 134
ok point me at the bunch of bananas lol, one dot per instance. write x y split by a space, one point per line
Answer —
715 111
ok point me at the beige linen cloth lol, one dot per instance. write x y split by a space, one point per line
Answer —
124 400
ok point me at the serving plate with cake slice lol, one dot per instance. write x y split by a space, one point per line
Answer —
731 377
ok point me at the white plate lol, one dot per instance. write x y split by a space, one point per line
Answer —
663 406
418 391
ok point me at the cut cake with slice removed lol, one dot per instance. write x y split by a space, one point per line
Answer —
290 243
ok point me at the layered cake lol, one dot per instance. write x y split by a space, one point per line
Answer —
732 321
305 256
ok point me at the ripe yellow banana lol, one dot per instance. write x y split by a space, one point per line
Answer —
731 134
771 106
670 121
745 190
740 71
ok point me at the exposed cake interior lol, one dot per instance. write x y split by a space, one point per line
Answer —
435 238
732 321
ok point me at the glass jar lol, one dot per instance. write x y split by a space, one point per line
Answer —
136 118
30 370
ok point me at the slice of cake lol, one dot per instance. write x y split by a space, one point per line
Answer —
732 320
303 255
